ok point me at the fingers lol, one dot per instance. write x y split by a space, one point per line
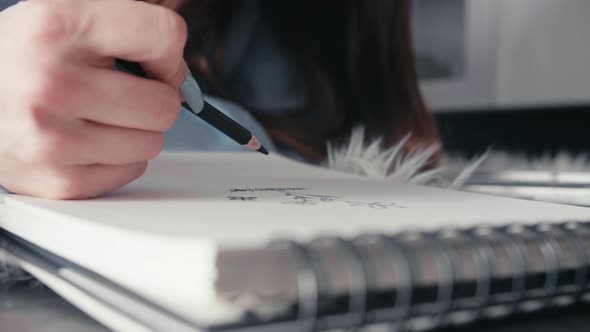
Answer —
77 182
76 126
136 31
87 143
109 145
96 31
125 101
133 30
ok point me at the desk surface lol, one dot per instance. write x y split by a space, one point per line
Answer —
33 307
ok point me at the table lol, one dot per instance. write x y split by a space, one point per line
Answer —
32 307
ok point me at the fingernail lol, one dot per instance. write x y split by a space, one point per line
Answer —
192 93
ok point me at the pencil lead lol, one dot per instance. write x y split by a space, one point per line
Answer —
262 150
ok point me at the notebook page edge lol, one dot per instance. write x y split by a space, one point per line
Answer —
95 248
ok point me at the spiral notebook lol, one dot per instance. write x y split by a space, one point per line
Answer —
229 241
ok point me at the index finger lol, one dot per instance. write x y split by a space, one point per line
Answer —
137 31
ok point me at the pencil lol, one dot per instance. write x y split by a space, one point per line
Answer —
204 110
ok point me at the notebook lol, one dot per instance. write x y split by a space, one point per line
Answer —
236 240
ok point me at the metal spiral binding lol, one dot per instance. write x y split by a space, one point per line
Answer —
481 242
483 258
444 266
447 265
403 276
552 253
358 279
307 284
487 259
516 249
582 256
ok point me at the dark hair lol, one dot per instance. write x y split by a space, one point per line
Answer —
357 60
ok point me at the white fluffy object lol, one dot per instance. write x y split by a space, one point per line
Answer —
371 160
368 158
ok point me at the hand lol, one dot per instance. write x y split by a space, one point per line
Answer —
71 126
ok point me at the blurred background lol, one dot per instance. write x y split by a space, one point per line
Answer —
513 75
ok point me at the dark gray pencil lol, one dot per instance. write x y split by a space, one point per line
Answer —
228 126
195 104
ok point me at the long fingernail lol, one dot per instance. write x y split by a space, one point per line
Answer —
192 93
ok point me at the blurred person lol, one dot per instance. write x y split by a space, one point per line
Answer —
298 74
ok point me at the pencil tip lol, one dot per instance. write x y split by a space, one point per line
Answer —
255 145
262 150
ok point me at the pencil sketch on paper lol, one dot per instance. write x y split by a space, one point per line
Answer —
242 198
299 196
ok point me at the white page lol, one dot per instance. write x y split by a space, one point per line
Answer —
158 236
